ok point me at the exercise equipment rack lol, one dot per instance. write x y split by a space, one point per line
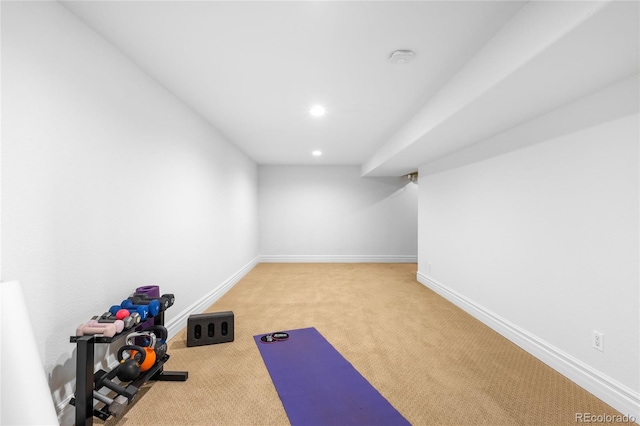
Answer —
85 377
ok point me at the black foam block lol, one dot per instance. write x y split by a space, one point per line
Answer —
207 329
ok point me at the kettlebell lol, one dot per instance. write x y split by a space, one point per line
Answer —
160 346
129 369
149 351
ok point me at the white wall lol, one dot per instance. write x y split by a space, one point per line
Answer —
331 213
108 183
544 242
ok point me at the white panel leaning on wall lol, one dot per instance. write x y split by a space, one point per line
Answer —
25 398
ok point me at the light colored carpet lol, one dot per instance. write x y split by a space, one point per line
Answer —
436 364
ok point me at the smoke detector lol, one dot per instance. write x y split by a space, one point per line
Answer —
401 56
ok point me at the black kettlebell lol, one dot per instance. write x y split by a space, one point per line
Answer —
129 369
161 342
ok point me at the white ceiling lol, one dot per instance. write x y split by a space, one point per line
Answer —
253 69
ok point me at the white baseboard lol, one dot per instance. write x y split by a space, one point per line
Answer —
179 322
619 396
285 258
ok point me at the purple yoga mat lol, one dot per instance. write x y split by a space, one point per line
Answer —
318 386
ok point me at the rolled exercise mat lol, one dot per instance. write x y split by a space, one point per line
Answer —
149 290
318 386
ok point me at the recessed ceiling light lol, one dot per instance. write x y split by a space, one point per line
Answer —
317 153
317 110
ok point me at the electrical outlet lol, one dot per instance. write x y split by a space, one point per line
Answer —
597 340
428 267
